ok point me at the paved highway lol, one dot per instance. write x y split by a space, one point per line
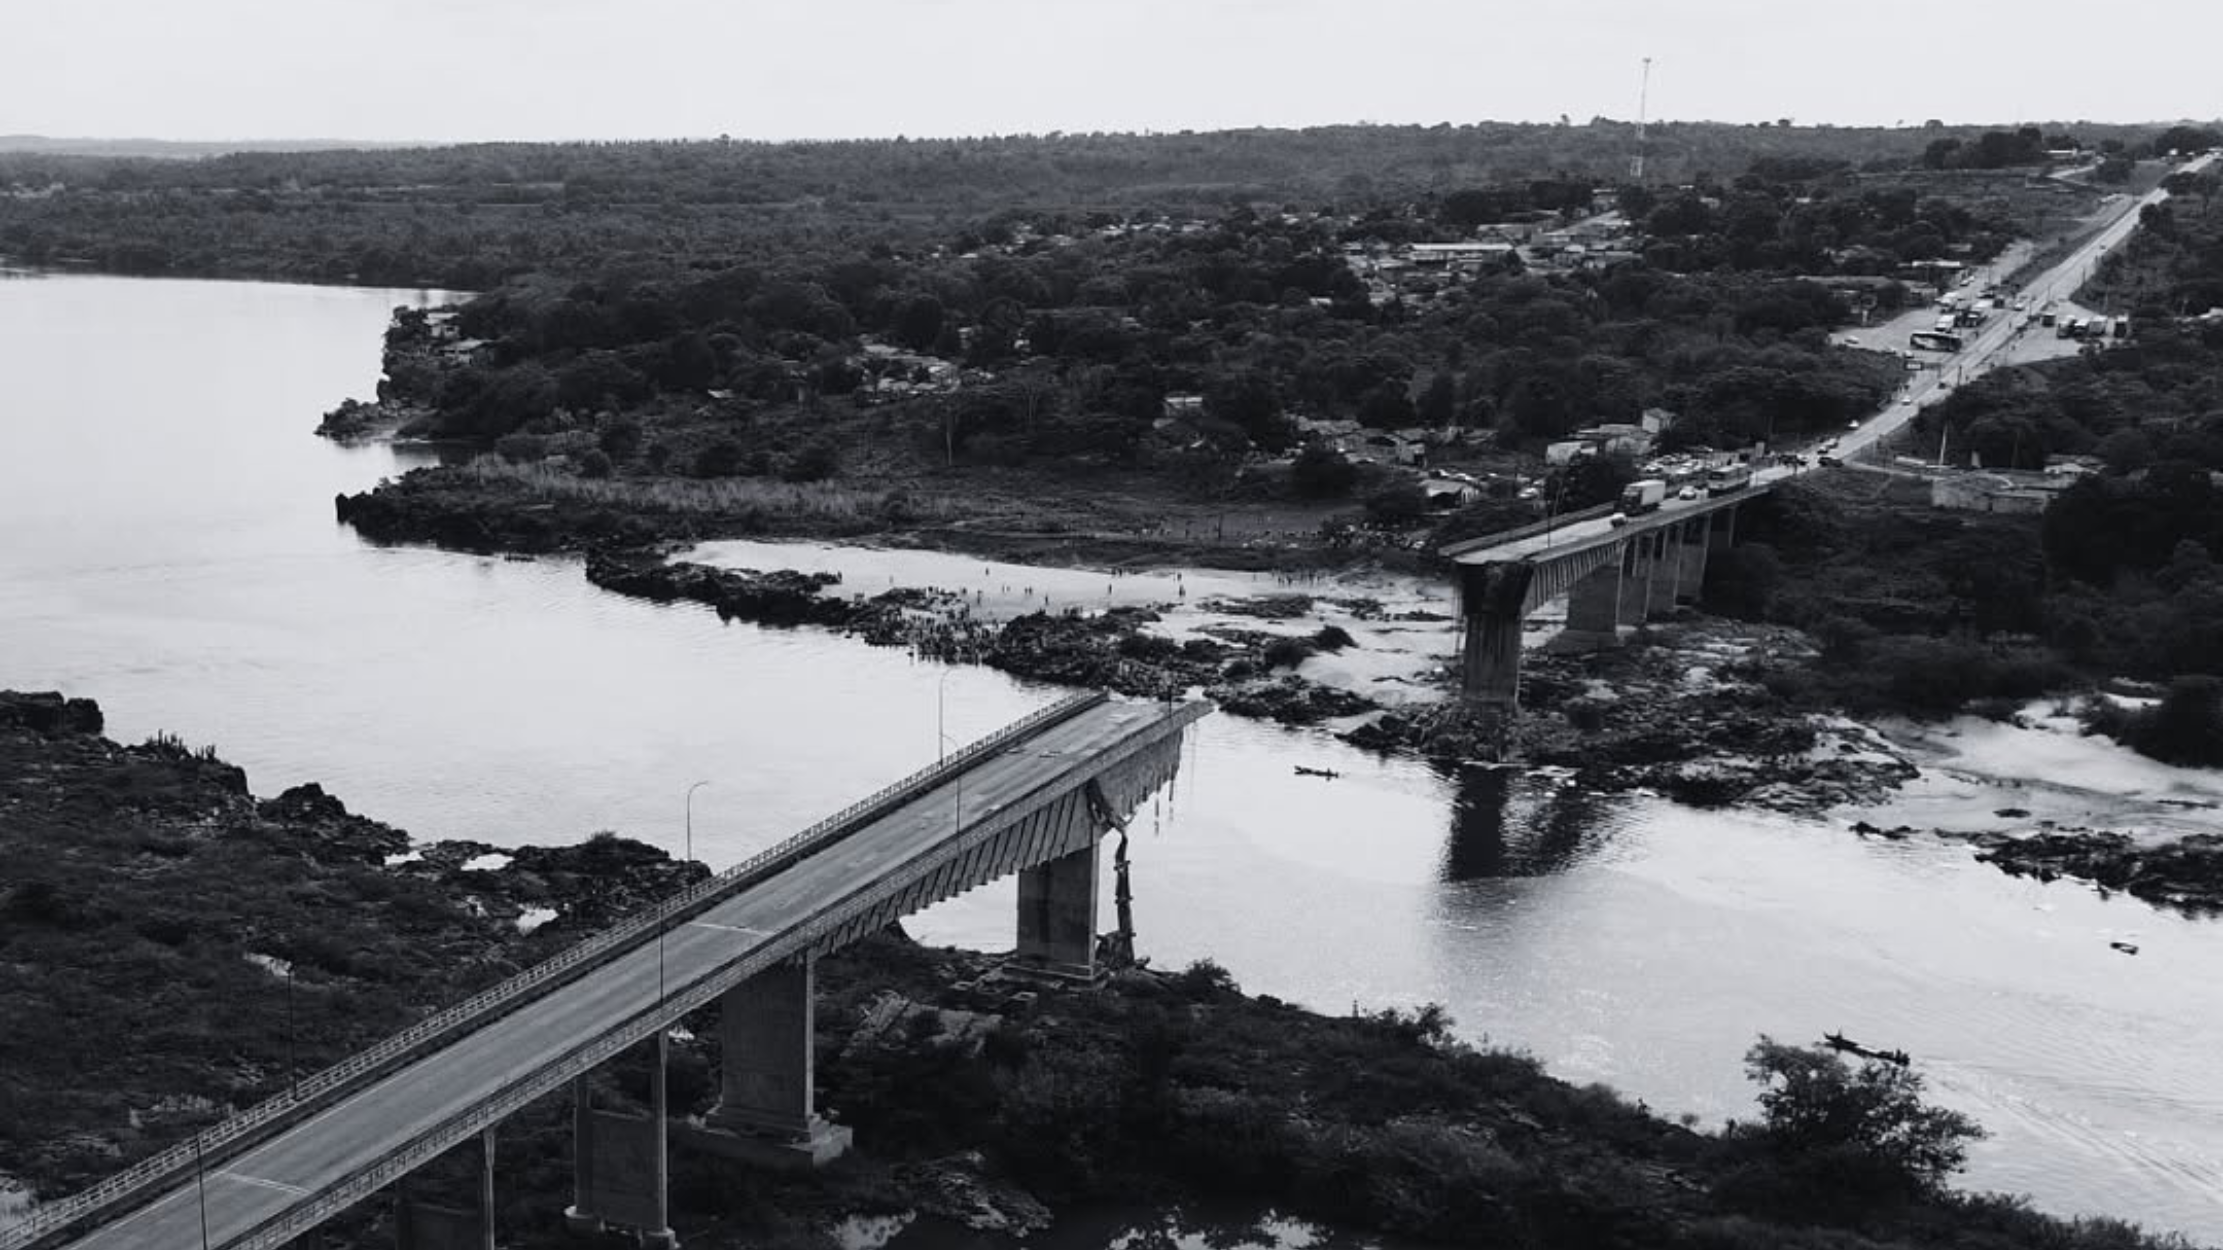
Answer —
2056 283
1981 349
313 1156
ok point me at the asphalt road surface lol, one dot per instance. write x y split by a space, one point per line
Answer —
370 1125
1987 345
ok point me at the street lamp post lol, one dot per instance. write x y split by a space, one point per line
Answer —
200 1186
941 702
293 1065
691 819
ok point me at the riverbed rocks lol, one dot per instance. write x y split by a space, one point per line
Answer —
49 713
780 597
2185 874
489 512
355 421
312 815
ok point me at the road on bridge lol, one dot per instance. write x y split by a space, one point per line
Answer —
377 1120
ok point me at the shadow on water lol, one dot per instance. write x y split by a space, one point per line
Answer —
1516 822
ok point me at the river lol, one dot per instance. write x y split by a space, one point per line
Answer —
167 547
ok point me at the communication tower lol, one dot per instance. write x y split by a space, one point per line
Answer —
1643 92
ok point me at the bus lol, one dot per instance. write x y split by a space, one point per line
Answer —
1935 341
1728 479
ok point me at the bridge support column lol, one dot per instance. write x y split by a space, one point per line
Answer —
1667 571
1636 580
1493 602
1723 530
580 1216
1594 611
765 1112
1693 544
659 1234
1490 671
486 1187
1057 915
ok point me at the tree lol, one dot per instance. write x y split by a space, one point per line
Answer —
919 323
1398 505
1322 473
2186 727
1870 1124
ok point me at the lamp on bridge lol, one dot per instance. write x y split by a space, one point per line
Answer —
941 703
691 819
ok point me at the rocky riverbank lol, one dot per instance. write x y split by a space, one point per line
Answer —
214 942
2184 874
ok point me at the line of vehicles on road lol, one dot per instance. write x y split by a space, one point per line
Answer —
1646 495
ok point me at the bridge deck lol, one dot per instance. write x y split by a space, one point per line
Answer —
290 1171
1581 536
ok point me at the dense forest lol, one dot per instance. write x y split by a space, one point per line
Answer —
1072 346
466 217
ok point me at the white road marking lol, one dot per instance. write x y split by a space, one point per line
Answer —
280 1186
730 928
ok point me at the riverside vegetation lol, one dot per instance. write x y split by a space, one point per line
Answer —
1009 400
275 936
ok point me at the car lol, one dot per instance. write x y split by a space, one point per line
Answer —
1618 519
1688 492
1852 425
1830 462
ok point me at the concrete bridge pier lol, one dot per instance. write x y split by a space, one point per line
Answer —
1057 915
580 1216
425 1226
1667 570
1639 560
1694 542
766 1112
1594 611
1492 606
620 1166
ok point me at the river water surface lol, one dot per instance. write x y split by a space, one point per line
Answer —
167 547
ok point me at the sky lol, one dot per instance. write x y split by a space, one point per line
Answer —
467 70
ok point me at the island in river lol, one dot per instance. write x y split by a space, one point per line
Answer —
218 944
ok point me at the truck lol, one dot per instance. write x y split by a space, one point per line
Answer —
1638 498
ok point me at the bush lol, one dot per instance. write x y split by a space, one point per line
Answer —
1332 638
595 463
723 458
521 448
2186 727
1870 1124
1397 506
1320 473
815 463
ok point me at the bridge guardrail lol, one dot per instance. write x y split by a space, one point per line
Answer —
318 1088
280 1229
1486 541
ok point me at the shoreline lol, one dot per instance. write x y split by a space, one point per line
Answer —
970 1102
1686 710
